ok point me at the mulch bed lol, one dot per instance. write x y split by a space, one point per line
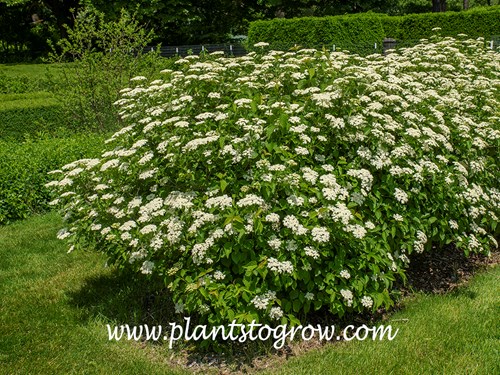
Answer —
441 271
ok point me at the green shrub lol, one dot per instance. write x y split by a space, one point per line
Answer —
24 115
15 85
267 186
357 33
104 56
28 78
24 167
477 22
390 24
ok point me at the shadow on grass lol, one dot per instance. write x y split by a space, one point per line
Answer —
119 298
464 292
123 298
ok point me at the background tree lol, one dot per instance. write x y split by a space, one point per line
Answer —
439 5
57 12
26 24
24 28
188 22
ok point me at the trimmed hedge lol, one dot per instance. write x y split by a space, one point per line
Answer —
24 167
477 22
22 83
351 32
22 114
358 33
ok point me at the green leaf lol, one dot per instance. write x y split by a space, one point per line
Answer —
393 232
223 185
287 305
307 307
297 305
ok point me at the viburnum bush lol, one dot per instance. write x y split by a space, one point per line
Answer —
271 185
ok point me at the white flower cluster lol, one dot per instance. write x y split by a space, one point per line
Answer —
367 302
276 313
348 296
311 252
274 243
320 234
293 223
419 243
221 202
365 176
345 274
250 200
262 301
280 267
401 196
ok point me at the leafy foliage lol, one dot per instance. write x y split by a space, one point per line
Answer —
24 28
104 55
356 33
484 22
27 114
24 167
19 84
359 33
278 183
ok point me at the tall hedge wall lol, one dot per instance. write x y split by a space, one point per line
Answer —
346 32
476 22
359 33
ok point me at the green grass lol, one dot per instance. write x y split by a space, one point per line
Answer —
25 78
43 329
33 71
55 306
8 99
458 333
26 101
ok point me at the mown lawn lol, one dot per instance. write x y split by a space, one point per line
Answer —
33 71
55 306
43 329
458 333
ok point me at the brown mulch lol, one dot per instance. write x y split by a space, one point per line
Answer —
441 271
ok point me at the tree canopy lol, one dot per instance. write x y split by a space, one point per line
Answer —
25 25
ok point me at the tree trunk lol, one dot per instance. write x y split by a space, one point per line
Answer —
439 5
466 4
435 5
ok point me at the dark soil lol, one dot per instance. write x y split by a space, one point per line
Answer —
441 271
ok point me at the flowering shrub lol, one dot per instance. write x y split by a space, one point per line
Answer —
267 186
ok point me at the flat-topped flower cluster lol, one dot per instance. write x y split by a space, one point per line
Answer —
271 185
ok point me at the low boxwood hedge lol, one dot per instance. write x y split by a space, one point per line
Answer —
22 114
24 167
